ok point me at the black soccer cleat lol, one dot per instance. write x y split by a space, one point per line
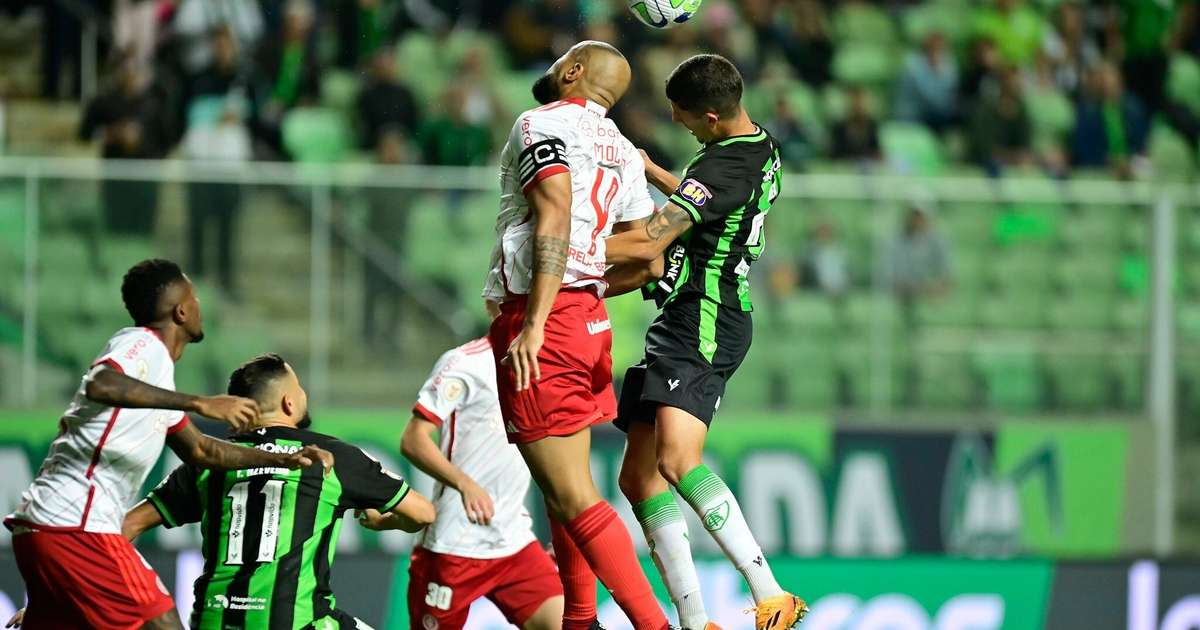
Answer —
596 625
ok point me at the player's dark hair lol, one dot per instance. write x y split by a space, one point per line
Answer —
252 378
143 286
706 83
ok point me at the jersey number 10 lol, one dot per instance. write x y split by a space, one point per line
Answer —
239 496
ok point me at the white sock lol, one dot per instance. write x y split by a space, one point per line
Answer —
667 535
722 517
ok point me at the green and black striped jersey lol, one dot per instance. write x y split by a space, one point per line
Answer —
727 189
270 533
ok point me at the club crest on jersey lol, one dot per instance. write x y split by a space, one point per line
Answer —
694 192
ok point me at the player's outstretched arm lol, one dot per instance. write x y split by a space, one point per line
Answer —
665 181
628 277
418 447
550 201
412 514
108 386
648 244
195 448
142 518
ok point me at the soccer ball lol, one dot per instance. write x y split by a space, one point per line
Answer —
664 13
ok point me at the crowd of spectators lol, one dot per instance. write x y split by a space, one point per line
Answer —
1050 85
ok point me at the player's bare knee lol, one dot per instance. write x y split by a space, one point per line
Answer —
674 465
633 484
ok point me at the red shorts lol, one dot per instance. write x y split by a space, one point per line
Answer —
441 587
575 390
85 580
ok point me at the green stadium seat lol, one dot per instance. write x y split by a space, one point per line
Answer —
1079 382
1010 376
316 135
1051 117
1183 81
946 381
422 65
1087 272
1187 316
1020 269
864 64
805 312
958 309
1170 154
1127 373
1013 311
911 148
928 17
864 311
860 22
1026 223
339 90
514 92
1131 316
1077 311
968 226
1092 228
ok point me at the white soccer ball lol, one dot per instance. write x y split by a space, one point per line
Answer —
664 13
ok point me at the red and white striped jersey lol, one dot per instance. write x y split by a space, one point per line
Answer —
102 455
460 397
608 186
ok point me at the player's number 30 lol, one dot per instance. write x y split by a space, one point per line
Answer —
439 596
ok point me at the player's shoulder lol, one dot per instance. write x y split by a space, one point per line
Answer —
136 342
341 449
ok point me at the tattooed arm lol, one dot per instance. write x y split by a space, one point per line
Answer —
109 386
550 200
628 277
193 447
647 244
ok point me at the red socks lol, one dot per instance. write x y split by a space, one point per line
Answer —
601 537
579 583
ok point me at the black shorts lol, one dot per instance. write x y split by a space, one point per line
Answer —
691 351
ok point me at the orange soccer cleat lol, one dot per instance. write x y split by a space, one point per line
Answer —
779 612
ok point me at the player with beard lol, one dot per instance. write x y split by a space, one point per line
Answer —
568 176
270 533
79 571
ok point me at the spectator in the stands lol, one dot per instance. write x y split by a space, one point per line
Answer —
196 19
917 261
538 31
826 265
1070 47
224 75
384 101
999 132
983 63
450 137
805 41
1016 28
1138 35
638 125
132 118
1111 124
387 220
928 87
213 207
795 138
362 27
856 135
289 71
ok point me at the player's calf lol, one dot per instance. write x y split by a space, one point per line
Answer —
167 621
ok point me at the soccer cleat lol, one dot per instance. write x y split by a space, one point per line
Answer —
779 612
596 625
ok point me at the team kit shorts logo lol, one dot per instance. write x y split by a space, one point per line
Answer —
694 192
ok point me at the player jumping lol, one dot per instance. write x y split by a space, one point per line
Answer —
79 571
566 174
711 231
270 534
482 544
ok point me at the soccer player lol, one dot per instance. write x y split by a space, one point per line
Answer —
481 544
269 534
567 173
79 571
711 230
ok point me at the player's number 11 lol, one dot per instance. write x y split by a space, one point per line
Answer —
239 496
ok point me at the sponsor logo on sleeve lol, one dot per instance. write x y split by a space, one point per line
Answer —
694 192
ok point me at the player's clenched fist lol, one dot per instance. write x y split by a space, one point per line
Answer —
239 413
308 456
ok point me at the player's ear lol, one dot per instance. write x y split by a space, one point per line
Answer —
573 72
180 313
712 118
287 405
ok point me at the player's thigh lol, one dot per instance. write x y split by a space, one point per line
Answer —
561 466
527 583
441 589
639 479
548 616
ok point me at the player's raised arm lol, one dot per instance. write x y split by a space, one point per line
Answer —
141 519
648 243
195 448
550 201
107 385
418 446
